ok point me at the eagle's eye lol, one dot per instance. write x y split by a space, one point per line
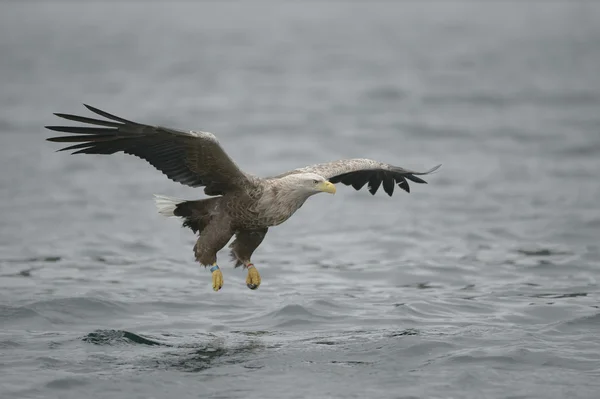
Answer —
315 181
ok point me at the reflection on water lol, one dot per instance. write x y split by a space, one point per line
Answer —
202 358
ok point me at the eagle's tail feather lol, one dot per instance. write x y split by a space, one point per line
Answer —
166 205
196 214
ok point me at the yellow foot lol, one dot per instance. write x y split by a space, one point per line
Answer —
253 279
217 278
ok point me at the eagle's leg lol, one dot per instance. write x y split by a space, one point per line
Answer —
253 278
211 240
217 277
245 243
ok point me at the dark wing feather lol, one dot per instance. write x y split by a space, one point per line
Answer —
374 182
192 158
388 184
358 172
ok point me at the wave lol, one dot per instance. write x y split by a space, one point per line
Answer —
119 337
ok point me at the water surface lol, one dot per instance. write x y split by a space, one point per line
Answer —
483 283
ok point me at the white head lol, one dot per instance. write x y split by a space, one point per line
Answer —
309 184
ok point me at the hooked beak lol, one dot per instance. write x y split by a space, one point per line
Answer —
326 187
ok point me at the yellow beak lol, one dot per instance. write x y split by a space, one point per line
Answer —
326 187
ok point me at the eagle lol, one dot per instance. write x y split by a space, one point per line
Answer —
238 204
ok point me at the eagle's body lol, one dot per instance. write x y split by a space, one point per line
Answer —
240 204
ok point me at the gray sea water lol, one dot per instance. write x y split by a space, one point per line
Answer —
482 284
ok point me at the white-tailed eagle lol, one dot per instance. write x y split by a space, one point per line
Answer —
240 204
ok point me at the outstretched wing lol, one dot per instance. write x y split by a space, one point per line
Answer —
192 158
358 172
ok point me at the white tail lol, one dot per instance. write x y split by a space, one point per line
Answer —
166 205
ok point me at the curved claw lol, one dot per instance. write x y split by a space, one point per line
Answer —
217 280
253 279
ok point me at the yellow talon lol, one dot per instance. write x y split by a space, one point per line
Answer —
253 279
217 278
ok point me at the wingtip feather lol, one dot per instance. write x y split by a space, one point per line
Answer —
93 109
108 115
434 169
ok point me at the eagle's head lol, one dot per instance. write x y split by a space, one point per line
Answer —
310 183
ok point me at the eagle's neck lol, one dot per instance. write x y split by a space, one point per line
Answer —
280 201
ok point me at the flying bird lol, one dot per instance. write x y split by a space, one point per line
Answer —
239 204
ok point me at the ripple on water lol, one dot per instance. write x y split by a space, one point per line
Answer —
66 383
9 313
293 316
542 251
69 310
119 337
49 313
518 357
41 259
584 323
8 344
205 354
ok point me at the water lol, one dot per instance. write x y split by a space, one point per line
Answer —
483 283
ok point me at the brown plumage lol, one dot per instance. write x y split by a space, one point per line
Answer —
241 204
